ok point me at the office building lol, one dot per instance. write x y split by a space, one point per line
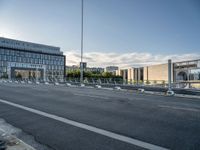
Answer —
26 60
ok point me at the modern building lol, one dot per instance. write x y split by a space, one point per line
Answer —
150 74
124 73
157 73
26 60
131 75
181 71
135 74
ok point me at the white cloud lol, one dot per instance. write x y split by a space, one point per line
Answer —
135 59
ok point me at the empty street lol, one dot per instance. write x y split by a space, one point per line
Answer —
81 118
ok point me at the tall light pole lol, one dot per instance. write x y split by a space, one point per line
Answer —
169 75
81 64
170 92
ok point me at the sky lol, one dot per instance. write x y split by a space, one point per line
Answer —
125 33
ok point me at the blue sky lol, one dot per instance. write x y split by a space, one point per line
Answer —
154 27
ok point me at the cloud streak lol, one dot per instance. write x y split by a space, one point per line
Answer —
135 59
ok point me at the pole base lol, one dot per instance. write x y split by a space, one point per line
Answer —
170 93
82 85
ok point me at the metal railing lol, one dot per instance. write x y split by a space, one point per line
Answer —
113 82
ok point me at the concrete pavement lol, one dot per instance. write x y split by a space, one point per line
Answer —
169 122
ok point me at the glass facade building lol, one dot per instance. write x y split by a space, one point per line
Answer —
19 59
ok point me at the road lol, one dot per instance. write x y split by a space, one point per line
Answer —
67 118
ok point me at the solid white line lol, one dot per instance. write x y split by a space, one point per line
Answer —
179 108
89 128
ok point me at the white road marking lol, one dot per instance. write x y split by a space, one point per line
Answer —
93 96
89 128
179 108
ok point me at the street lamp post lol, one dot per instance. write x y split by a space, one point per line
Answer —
81 64
170 92
169 75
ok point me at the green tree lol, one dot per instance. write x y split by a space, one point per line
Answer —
4 76
94 75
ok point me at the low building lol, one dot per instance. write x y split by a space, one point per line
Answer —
71 68
123 73
187 70
30 60
111 69
131 75
150 74
181 71
156 73
135 74
95 69
91 69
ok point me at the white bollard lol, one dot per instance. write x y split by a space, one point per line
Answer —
98 86
117 88
141 90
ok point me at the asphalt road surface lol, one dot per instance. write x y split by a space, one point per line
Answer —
67 118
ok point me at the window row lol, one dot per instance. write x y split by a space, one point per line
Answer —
30 55
30 60
49 72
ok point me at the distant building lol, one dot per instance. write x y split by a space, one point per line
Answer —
186 70
123 73
181 71
131 74
156 73
152 73
71 68
30 60
92 69
84 65
111 69
135 74
95 69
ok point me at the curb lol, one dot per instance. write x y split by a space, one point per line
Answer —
11 142
175 95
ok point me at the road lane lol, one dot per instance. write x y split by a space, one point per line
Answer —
139 118
89 128
57 135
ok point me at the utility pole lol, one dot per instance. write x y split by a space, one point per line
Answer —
36 74
169 74
170 92
81 64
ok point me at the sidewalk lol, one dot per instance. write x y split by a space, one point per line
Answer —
10 142
15 139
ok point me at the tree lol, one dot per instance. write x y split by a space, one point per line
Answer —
18 76
4 76
89 74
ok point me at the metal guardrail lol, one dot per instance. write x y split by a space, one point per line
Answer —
179 87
